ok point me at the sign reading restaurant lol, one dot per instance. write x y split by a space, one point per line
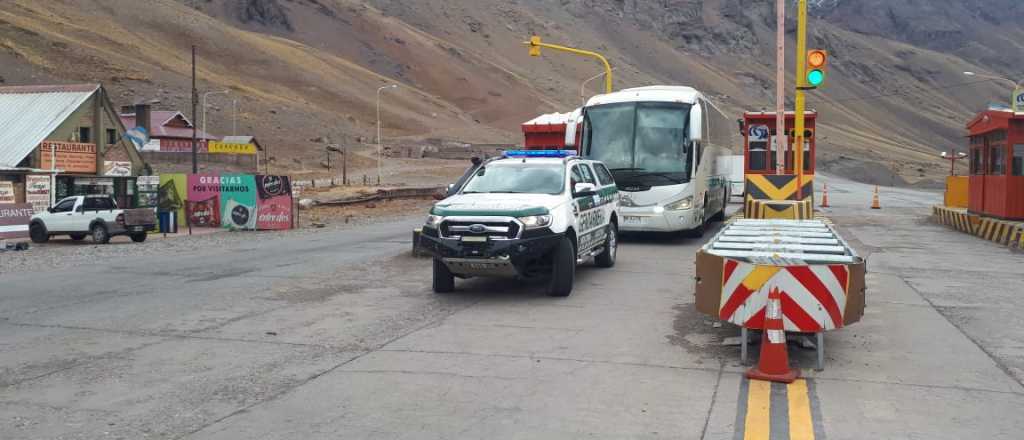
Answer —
72 157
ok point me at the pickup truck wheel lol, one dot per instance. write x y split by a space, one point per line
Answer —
611 248
78 237
563 272
38 233
138 237
444 281
100 234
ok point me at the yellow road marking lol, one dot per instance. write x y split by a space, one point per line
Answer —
801 426
758 421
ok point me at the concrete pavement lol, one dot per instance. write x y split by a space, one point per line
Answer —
336 335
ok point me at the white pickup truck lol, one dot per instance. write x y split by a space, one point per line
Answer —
98 216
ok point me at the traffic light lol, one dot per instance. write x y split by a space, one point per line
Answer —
534 46
817 67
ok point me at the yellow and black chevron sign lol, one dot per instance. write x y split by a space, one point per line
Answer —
778 209
778 187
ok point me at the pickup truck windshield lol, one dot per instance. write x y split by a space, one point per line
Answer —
518 178
640 142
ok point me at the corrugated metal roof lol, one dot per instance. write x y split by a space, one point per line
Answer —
28 114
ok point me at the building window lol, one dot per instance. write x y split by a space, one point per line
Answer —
977 161
111 136
997 161
84 135
1018 160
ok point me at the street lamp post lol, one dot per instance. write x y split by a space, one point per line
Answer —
222 92
952 157
583 85
234 117
1016 85
380 148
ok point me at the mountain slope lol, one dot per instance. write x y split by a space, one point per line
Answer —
305 69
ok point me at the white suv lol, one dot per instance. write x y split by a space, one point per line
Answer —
528 214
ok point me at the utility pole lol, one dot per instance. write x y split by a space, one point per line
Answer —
780 93
801 85
195 103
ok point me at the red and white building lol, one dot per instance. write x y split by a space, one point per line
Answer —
169 131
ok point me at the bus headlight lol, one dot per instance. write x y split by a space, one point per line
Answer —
684 204
535 221
433 221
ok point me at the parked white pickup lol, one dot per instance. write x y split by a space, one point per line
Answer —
98 216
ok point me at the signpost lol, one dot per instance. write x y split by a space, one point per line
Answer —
37 192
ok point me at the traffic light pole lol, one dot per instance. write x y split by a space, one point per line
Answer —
780 97
801 103
535 44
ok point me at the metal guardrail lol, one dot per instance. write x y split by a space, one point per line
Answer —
384 194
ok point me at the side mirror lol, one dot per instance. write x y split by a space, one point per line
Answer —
50 210
80 208
449 187
696 122
584 190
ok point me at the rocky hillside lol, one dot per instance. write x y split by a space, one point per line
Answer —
309 69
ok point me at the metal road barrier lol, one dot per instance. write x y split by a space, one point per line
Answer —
1003 232
385 194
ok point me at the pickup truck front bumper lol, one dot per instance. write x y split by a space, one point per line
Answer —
491 257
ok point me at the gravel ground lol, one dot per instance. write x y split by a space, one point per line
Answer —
61 252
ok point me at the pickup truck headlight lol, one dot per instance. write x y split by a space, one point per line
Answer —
433 221
686 203
535 221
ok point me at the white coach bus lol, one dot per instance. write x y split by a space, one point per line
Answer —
663 145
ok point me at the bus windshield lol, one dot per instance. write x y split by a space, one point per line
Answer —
644 143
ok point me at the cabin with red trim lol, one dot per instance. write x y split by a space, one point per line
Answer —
996 140
759 152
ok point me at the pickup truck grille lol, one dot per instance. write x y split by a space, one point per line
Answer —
493 230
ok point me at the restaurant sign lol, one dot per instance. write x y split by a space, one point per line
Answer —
72 157
14 218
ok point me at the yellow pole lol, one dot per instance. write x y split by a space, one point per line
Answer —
801 83
535 45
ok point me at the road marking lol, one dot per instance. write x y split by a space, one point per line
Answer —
758 420
801 426
772 411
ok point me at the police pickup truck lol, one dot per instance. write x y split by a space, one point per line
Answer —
527 214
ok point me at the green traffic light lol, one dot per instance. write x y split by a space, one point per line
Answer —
815 77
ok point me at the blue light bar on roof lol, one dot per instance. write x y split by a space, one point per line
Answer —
539 153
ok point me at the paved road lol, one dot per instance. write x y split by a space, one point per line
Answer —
336 335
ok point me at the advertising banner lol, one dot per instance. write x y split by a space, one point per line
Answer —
14 220
226 148
1018 100
37 192
275 202
203 207
172 194
181 146
6 192
72 157
238 201
117 168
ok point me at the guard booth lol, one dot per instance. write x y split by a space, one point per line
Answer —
771 195
996 139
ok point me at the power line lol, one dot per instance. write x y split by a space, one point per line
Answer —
889 95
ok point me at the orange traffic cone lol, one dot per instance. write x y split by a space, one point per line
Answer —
874 200
824 197
773 365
